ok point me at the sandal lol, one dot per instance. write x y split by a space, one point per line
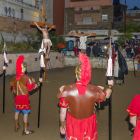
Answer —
28 132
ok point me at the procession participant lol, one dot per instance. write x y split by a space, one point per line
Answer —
120 68
134 113
46 40
79 99
22 84
1 71
83 40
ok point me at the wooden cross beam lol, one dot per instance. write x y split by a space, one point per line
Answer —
85 34
49 26
43 20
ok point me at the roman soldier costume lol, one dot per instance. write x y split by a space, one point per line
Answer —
22 84
134 110
80 99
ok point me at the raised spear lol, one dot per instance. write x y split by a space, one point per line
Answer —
109 75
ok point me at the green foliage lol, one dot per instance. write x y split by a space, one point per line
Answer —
33 42
130 27
123 37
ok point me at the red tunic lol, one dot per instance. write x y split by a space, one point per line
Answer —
22 102
77 129
134 110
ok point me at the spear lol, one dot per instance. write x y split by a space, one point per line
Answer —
42 65
5 64
109 75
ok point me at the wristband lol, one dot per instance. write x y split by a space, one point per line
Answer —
110 87
38 83
63 123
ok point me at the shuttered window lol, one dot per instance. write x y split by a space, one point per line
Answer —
104 18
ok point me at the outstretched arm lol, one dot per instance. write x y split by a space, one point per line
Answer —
50 28
38 26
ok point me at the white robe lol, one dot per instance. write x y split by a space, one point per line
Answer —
83 40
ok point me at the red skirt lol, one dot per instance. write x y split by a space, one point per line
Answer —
137 131
84 129
22 102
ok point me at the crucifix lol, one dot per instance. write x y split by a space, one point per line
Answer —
43 20
49 26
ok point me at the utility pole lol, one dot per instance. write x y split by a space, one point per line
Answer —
125 18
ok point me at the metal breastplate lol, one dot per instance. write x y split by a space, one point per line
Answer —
82 106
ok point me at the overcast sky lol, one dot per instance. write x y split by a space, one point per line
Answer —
131 3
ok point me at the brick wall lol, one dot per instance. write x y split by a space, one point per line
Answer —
107 10
22 27
70 20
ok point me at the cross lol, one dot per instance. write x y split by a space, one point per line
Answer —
85 34
49 26
43 20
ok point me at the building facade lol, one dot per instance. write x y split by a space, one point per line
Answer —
89 14
133 15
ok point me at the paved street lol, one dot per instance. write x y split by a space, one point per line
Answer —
49 119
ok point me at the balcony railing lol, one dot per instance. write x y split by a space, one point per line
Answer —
29 3
18 15
87 23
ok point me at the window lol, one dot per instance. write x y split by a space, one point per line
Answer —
132 14
91 8
104 18
80 9
87 20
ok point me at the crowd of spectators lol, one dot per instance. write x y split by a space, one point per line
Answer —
130 48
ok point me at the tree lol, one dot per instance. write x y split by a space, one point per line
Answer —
123 37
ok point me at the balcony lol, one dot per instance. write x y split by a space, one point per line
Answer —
89 24
18 15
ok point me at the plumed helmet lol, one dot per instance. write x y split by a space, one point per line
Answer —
20 64
83 70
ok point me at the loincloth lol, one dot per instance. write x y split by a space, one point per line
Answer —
47 40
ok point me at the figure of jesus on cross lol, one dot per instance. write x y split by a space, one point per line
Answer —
46 40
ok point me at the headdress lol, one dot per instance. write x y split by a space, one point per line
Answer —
83 72
20 64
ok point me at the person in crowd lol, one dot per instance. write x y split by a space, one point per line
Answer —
123 46
95 50
76 51
123 52
115 45
9 11
13 13
128 51
6 10
88 50
136 51
120 68
64 51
